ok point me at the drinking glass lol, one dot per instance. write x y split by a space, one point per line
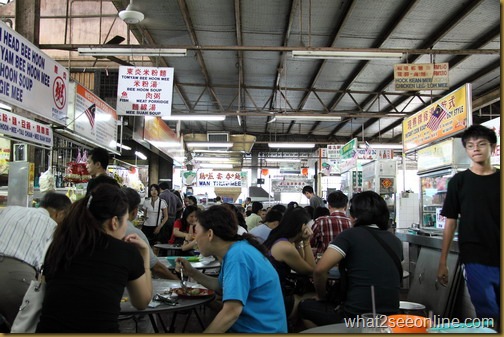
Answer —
374 323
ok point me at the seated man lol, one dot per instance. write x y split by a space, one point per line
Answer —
156 266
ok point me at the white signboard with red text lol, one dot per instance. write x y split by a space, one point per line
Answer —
144 91
26 129
31 80
217 178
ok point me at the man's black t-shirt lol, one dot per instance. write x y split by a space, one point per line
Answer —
368 263
477 199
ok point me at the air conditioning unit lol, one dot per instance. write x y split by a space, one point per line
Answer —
217 137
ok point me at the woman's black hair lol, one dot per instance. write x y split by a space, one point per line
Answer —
320 211
239 215
193 199
279 207
133 198
291 224
82 228
310 210
273 215
292 205
187 211
156 186
369 208
224 224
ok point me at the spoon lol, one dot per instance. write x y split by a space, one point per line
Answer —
182 282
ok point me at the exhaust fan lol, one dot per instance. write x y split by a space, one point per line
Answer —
131 16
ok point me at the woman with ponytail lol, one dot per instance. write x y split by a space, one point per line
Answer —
90 262
249 285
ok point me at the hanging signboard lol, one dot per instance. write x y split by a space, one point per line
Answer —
25 129
144 91
441 119
161 136
218 178
348 156
494 124
290 184
333 151
421 76
95 119
31 80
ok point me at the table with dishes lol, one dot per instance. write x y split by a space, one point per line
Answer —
169 297
197 262
168 249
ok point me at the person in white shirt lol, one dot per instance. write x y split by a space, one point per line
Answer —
272 220
254 219
24 235
133 204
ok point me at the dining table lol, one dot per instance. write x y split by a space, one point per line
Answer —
155 309
169 249
198 263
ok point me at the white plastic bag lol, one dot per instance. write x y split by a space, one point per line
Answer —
46 181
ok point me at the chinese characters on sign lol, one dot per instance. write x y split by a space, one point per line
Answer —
30 79
26 129
220 178
290 184
421 76
144 91
446 116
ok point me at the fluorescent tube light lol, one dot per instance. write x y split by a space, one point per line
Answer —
201 118
227 166
215 151
344 55
382 146
208 144
396 114
159 144
292 145
309 117
131 52
140 155
282 160
122 146
213 159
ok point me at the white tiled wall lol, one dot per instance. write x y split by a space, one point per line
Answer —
407 209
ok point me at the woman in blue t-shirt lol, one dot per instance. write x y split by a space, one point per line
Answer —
249 285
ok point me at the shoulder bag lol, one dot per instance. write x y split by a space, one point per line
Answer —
389 251
28 317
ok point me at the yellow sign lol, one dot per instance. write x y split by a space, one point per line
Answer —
443 118
421 76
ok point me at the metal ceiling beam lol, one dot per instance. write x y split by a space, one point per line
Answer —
385 34
392 25
477 75
416 51
488 37
140 34
450 24
280 68
190 28
343 17
241 78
